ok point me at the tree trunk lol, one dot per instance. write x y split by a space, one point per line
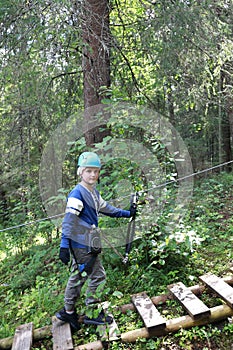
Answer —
225 121
95 61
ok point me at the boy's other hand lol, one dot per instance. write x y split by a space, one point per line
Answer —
64 255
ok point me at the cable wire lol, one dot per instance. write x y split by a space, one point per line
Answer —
32 222
157 186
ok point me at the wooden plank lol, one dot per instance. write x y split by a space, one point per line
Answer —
148 312
62 339
109 332
23 337
113 330
192 304
221 288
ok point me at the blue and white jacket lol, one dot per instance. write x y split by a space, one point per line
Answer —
82 210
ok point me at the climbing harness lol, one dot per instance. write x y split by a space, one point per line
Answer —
85 267
93 240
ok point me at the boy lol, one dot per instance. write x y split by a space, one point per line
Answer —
80 236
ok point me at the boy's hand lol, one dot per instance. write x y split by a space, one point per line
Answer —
64 255
133 210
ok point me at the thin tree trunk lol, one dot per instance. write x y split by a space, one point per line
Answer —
225 121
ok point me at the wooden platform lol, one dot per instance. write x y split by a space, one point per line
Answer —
155 323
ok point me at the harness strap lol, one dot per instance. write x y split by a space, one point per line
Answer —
85 267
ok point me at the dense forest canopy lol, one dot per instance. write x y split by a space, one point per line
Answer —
173 57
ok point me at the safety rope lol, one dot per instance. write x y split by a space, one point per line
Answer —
112 246
157 186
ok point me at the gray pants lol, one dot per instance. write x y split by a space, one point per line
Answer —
76 281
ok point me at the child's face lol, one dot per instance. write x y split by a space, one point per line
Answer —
90 175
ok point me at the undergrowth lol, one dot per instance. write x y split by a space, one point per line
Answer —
32 284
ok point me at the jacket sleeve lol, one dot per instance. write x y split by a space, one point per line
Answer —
68 227
74 207
109 210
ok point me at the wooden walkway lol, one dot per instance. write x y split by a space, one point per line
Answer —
154 323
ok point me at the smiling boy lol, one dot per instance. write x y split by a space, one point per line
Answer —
80 236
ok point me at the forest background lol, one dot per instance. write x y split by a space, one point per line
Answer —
62 57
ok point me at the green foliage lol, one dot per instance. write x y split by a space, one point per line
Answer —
32 284
172 56
29 287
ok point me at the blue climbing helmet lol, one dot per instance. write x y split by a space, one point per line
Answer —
89 159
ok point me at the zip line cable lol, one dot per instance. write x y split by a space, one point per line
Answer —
192 175
32 222
157 186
